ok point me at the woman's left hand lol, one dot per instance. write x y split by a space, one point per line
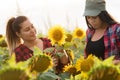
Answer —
55 60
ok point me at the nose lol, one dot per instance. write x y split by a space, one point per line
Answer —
33 30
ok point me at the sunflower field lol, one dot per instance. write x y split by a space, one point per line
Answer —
40 66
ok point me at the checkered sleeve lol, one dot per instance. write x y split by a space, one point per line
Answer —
118 41
46 43
23 53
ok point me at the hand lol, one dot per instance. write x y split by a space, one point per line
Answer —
55 60
116 62
64 59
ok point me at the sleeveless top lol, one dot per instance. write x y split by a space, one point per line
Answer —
111 41
96 48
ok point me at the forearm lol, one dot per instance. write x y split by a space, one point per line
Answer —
64 59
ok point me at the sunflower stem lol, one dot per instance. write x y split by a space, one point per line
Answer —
73 77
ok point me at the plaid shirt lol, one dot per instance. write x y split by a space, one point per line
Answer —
23 53
111 41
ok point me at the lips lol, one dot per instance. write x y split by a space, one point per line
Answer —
33 35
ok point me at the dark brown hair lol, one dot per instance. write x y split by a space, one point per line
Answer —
13 26
105 17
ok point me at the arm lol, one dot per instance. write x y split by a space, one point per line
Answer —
64 59
59 60
117 56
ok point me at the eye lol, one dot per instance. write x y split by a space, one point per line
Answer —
27 29
94 17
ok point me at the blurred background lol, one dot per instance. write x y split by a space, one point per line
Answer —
46 13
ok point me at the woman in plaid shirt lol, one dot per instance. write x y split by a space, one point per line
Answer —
20 28
103 33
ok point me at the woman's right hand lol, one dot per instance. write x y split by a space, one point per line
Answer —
116 62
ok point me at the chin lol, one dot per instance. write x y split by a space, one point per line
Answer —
33 38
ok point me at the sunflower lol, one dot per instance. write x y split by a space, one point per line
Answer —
57 35
14 71
78 33
78 64
83 76
85 64
70 54
91 60
40 63
3 42
104 72
69 37
1 35
70 69
13 74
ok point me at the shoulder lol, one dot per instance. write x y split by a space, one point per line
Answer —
89 32
45 39
19 47
46 43
22 48
117 30
117 27
114 28
22 53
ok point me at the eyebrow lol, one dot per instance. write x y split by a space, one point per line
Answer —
28 25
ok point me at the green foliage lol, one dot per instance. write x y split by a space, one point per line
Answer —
37 51
49 50
3 42
4 56
13 74
76 46
50 75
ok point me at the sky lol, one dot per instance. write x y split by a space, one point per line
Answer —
46 13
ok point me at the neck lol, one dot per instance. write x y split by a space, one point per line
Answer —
30 44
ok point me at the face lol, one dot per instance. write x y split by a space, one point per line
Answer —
27 32
95 22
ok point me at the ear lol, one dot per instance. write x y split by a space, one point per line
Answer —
18 34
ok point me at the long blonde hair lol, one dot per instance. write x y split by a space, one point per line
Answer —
12 27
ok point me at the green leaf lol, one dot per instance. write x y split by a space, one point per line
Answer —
64 76
47 76
37 51
50 50
60 54
12 61
108 61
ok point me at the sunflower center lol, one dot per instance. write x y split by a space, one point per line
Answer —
79 33
69 37
57 35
